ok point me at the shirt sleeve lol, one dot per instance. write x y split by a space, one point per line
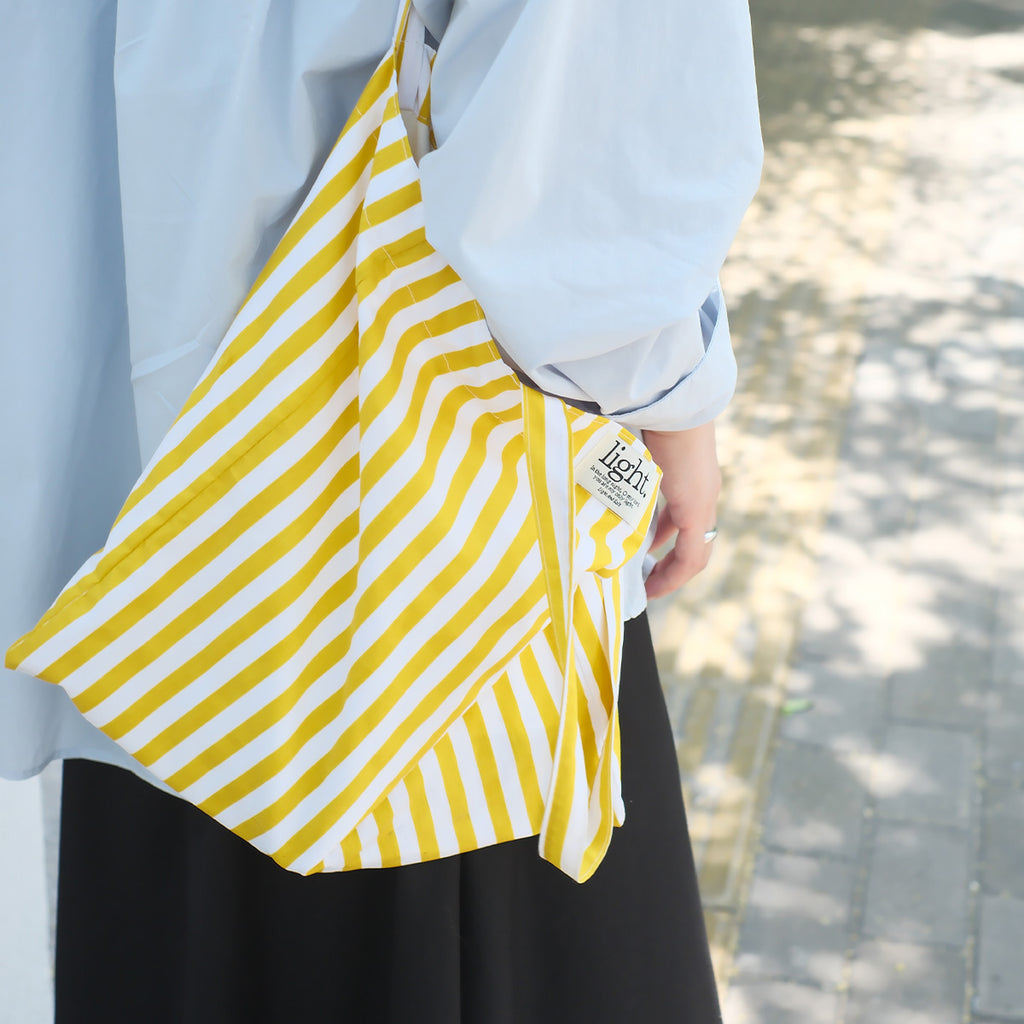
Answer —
594 162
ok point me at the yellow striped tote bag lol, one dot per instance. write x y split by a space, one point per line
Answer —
363 605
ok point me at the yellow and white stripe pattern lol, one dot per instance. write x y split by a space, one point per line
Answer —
356 608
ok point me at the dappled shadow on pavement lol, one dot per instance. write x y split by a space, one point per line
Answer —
858 627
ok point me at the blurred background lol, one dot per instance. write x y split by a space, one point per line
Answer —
846 681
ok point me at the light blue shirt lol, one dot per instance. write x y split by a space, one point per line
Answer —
594 162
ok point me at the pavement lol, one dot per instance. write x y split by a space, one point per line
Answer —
846 681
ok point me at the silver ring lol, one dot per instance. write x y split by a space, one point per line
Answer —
710 535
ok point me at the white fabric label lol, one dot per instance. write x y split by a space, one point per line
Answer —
619 475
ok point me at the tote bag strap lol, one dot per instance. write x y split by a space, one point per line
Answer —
413 59
411 56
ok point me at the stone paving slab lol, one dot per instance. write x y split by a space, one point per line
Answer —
1000 990
1002 859
900 983
947 689
1004 727
925 775
918 885
844 711
816 805
778 1002
796 920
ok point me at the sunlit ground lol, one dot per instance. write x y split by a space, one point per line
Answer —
863 601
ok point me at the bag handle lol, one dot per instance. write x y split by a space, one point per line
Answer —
410 54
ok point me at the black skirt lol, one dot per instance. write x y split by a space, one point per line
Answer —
165 916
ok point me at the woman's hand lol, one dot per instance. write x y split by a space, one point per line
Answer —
690 484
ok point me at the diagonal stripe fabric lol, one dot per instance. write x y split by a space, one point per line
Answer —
358 608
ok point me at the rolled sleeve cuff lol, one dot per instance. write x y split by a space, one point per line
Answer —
701 394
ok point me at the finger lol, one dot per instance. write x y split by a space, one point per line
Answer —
664 530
